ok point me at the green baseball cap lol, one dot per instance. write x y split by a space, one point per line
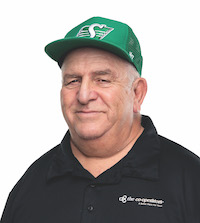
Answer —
113 36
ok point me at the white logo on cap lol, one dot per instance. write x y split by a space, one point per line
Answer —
131 55
97 31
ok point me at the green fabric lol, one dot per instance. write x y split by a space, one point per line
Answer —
98 32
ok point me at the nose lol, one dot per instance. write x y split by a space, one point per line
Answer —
86 92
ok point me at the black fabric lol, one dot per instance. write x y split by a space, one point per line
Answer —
158 181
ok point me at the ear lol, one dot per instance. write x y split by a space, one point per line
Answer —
140 90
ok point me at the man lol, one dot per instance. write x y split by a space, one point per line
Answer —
111 166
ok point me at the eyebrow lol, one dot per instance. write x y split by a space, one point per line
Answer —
103 72
98 72
69 76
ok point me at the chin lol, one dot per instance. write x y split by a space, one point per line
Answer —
89 134
89 137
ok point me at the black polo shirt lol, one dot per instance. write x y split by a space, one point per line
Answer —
158 181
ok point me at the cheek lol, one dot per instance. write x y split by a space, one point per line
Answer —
114 101
125 103
67 99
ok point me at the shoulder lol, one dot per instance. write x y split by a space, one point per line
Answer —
177 152
43 162
34 176
180 177
179 160
37 169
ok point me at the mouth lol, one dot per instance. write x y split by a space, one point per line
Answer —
88 113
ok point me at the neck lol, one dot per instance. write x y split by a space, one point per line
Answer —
98 155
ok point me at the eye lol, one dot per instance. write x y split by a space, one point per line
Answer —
103 80
71 83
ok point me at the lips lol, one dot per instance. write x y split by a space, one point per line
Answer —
88 113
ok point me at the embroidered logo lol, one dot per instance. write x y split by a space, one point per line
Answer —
131 55
96 31
142 201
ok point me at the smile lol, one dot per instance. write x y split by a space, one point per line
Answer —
88 113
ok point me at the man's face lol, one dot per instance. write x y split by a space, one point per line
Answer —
97 97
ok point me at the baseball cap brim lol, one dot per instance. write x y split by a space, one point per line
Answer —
58 50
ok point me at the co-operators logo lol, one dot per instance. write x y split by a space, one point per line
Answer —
142 201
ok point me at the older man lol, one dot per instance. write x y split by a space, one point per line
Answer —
111 166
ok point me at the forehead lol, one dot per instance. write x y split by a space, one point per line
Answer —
92 58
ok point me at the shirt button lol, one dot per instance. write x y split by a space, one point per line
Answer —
90 208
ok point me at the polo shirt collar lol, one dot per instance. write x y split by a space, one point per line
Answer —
142 161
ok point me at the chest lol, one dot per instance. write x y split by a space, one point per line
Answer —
130 200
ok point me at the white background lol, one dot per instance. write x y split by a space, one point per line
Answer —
31 121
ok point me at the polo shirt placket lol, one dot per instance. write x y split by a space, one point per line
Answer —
89 204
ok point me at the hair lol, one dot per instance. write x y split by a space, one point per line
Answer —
132 73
